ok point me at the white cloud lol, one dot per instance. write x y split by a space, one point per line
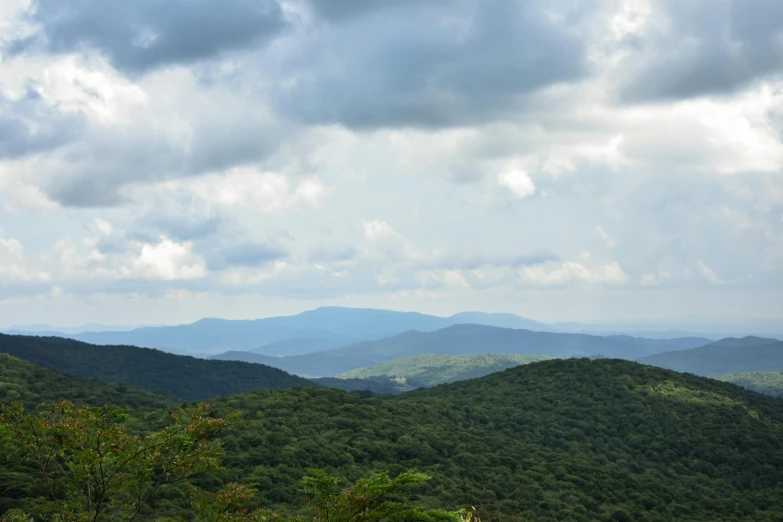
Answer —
14 267
707 272
167 260
572 272
654 278
518 182
265 192
609 242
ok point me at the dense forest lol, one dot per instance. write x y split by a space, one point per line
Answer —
177 375
429 370
770 383
554 440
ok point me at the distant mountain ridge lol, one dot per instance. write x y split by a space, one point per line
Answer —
730 355
431 370
180 376
338 323
463 339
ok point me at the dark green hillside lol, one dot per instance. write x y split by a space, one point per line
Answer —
464 339
176 375
31 385
430 370
556 440
749 354
770 383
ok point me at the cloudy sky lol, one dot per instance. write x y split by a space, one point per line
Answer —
560 159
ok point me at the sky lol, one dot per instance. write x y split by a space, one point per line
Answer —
591 160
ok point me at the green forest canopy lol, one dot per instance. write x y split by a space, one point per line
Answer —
430 370
770 383
554 440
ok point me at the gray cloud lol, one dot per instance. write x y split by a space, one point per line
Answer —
704 47
332 253
474 262
28 127
471 62
144 34
181 227
340 10
102 162
252 254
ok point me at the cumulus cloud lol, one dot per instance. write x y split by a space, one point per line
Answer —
609 241
14 267
393 165
145 34
688 49
572 272
469 63
518 182
167 260
254 189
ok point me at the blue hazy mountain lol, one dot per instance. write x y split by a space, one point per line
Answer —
333 323
464 339
730 355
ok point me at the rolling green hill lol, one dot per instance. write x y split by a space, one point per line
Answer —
556 440
573 439
176 375
31 385
730 355
463 339
430 370
770 383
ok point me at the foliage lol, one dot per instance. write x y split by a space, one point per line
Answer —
749 354
21 381
226 505
430 370
176 375
369 500
95 470
568 439
371 385
770 383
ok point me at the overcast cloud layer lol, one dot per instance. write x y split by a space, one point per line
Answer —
560 159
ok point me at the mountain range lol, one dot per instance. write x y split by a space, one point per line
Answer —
730 355
463 339
316 329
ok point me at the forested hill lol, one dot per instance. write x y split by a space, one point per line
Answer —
730 355
464 339
568 439
430 370
555 440
32 385
180 376
770 383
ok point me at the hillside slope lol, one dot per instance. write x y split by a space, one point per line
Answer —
32 385
769 383
466 339
430 370
556 440
574 439
176 375
749 354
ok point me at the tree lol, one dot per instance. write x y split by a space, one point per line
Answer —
95 470
369 500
